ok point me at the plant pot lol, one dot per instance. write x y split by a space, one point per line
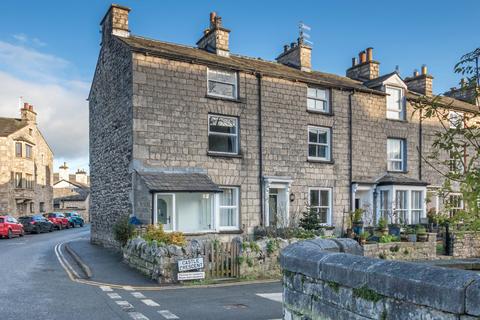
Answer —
363 242
422 237
384 232
358 227
412 237
394 230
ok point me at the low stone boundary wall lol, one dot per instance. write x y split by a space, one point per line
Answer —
403 250
466 245
326 279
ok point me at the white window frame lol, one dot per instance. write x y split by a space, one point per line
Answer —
453 210
236 207
392 189
235 84
400 111
330 204
403 159
328 145
236 134
174 216
455 117
326 101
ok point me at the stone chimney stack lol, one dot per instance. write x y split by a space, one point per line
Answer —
467 92
297 55
216 38
28 114
81 176
366 68
115 22
63 172
421 83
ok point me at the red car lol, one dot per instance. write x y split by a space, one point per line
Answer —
59 220
9 226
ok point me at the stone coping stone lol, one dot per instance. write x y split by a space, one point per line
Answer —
421 284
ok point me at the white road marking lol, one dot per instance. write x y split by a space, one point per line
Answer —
167 314
138 295
128 288
114 295
272 296
137 316
106 288
125 305
150 302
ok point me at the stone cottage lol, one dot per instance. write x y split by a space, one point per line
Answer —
202 141
26 162
71 192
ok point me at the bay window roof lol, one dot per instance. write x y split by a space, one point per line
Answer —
179 182
394 179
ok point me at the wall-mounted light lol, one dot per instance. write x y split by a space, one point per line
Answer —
292 197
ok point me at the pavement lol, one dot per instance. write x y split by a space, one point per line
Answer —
41 281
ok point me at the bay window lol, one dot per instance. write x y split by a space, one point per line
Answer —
320 201
222 83
407 205
401 206
222 134
417 206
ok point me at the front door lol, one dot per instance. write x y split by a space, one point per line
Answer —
272 207
164 210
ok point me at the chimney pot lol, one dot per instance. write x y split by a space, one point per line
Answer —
30 107
285 48
292 45
213 15
363 57
424 69
25 105
354 62
369 54
415 73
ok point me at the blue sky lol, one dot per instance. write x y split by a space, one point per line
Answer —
48 49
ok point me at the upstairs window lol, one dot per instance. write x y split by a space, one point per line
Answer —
456 120
319 143
318 100
395 103
396 155
222 134
28 151
18 180
18 149
222 83
28 181
455 204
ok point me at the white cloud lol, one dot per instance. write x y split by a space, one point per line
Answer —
60 102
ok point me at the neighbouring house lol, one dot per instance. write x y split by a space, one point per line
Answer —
71 192
26 162
205 141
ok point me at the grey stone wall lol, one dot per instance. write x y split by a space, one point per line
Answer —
403 250
466 244
323 281
110 104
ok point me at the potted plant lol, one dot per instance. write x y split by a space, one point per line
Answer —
395 227
411 234
422 235
357 222
382 226
363 237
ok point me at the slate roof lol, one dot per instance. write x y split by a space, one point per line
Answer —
237 62
378 81
82 195
179 182
447 102
10 125
391 179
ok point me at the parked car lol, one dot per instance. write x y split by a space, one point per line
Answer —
75 219
59 220
9 226
36 224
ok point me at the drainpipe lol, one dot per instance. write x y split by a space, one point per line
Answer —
350 148
260 148
420 147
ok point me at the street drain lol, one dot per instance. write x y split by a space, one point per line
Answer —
235 306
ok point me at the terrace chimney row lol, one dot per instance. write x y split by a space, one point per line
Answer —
365 68
420 83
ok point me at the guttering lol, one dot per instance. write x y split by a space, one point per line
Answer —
350 150
260 147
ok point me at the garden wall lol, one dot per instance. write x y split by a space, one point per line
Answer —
403 250
466 244
323 280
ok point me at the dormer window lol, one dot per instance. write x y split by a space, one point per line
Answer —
222 83
395 103
318 100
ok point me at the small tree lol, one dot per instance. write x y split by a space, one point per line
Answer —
123 230
310 220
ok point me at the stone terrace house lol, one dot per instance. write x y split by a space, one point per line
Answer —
205 141
25 166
